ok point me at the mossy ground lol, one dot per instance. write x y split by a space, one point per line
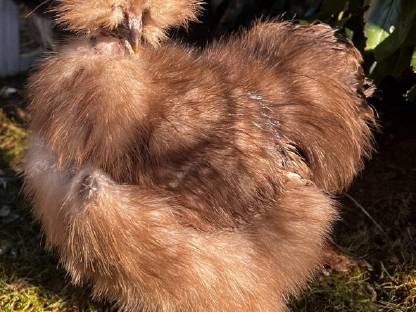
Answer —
31 279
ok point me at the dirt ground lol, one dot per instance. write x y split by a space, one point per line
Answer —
378 228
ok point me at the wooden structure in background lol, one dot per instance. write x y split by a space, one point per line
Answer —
12 61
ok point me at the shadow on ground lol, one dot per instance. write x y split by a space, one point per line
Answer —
378 226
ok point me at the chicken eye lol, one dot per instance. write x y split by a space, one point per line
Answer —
116 7
93 41
146 16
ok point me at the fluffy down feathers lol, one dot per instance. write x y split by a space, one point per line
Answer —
184 180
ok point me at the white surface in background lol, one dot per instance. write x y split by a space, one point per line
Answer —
11 60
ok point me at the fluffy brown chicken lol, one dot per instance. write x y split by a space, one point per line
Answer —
186 180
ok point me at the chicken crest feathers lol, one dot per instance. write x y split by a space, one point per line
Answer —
158 15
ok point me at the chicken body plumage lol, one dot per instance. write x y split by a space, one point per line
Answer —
197 180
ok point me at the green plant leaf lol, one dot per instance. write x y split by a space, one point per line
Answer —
411 94
383 17
413 60
375 35
403 35
393 65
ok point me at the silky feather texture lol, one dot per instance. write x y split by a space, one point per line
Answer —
187 180
92 16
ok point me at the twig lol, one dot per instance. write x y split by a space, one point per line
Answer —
7 179
356 203
36 8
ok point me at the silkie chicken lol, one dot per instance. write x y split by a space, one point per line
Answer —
177 179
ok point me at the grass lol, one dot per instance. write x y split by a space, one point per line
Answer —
31 279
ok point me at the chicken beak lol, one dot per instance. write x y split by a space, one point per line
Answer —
135 26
